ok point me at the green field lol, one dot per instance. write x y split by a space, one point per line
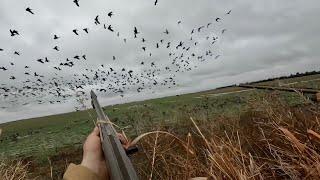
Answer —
40 138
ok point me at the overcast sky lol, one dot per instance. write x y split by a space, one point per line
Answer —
263 39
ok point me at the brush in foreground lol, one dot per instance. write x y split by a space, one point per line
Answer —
270 141
13 170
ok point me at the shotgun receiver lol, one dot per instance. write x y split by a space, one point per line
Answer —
118 163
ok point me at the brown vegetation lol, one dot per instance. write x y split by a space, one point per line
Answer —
270 140
13 170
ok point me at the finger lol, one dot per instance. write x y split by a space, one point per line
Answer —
122 139
95 131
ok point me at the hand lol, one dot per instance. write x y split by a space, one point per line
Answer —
124 141
93 157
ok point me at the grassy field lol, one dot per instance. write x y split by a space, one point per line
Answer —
48 137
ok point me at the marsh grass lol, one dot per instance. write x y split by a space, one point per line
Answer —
270 140
13 170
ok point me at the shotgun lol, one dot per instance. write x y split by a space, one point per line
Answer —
118 163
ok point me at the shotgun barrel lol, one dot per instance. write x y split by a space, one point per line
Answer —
118 163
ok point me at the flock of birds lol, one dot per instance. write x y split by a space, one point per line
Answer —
35 87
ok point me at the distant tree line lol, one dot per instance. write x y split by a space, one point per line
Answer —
308 73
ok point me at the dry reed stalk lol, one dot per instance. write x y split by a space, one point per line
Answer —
313 134
317 120
301 147
154 156
188 146
223 159
51 169
305 98
241 153
313 171
165 163
202 136
14 170
137 139
265 139
199 178
219 162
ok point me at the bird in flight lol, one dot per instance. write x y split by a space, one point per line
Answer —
14 32
17 53
76 2
223 31
218 19
3 68
110 14
29 10
40 61
86 30
56 48
96 20
229 12
166 32
168 45
55 37
114 58
75 32
179 22
1 49
179 45
199 29
84 57
135 32
110 28
156 2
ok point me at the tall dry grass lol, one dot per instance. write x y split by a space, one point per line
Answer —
271 140
13 170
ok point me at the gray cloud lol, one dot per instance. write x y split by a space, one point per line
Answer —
264 39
